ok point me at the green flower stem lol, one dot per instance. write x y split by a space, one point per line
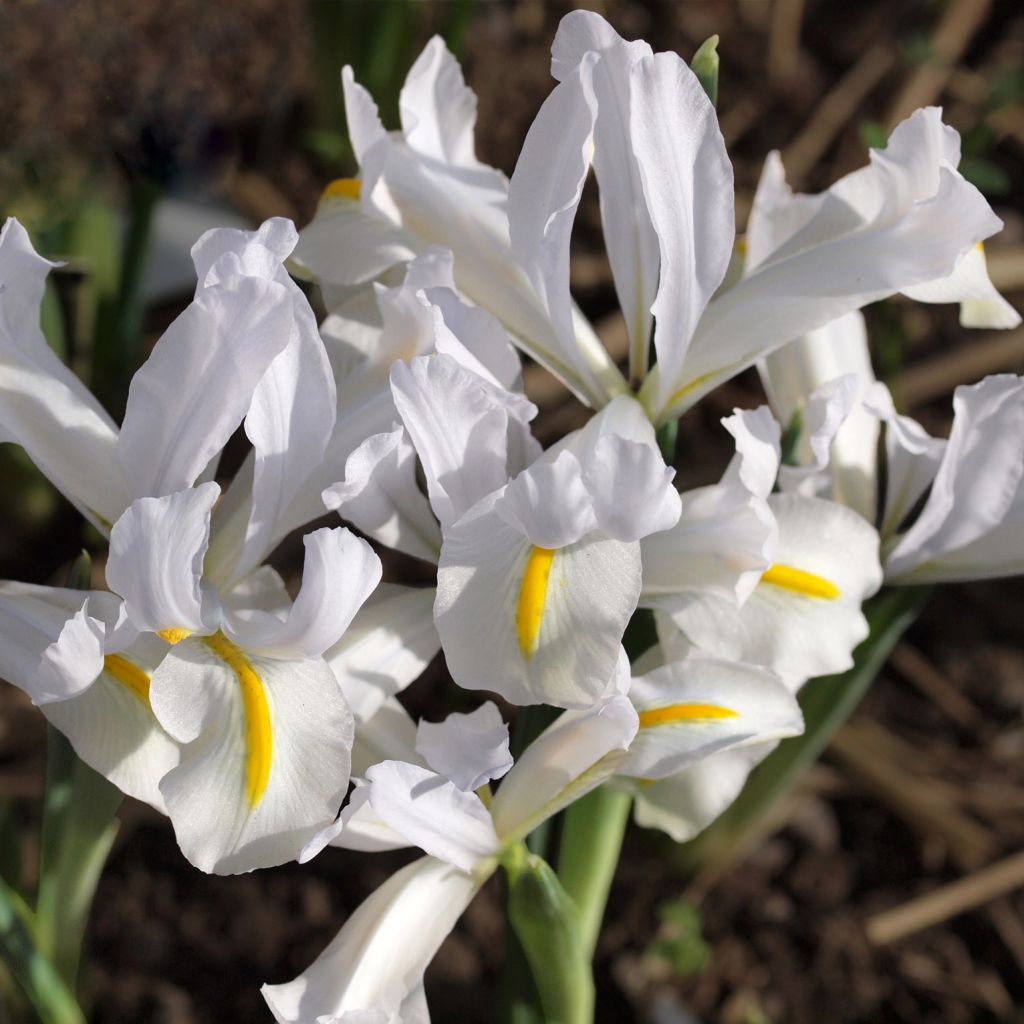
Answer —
52 998
546 922
592 836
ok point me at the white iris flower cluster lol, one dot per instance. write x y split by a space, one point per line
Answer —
197 684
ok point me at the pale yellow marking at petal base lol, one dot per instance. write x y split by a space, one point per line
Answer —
532 595
175 635
130 676
799 582
342 188
256 711
673 714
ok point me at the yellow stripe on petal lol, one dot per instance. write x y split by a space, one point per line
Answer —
799 582
342 188
674 714
129 675
256 710
175 635
532 595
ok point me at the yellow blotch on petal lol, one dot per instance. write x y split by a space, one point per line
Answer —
342 188
175 635
799 582
532 595
256 711
129 675
673 714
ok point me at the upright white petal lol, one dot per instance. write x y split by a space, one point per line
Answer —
156 560
433 813
193 391
468 749
687 180
460 426
632 243
265 752
574 755
364 125
544 194
794 372
381 497
44 407
376 962
339 572
437 110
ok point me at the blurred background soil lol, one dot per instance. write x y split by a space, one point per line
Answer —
114 109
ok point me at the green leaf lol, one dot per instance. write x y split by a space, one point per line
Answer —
46 990
546 922
705 67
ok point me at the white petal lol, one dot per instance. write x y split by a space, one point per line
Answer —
358 827
112 727
574 755
631 488
389 734
688 185
388 645
629 235
533 625
793 373
692 709
156 560
976 491
433 813
381 497
289 423
44 407
379 957
804 617
544 194
549 503
904 220
459 424
192 392
980 304
339 573
364 125
912 458
265 758
684 804
438 111
53 639
344 245
467 749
